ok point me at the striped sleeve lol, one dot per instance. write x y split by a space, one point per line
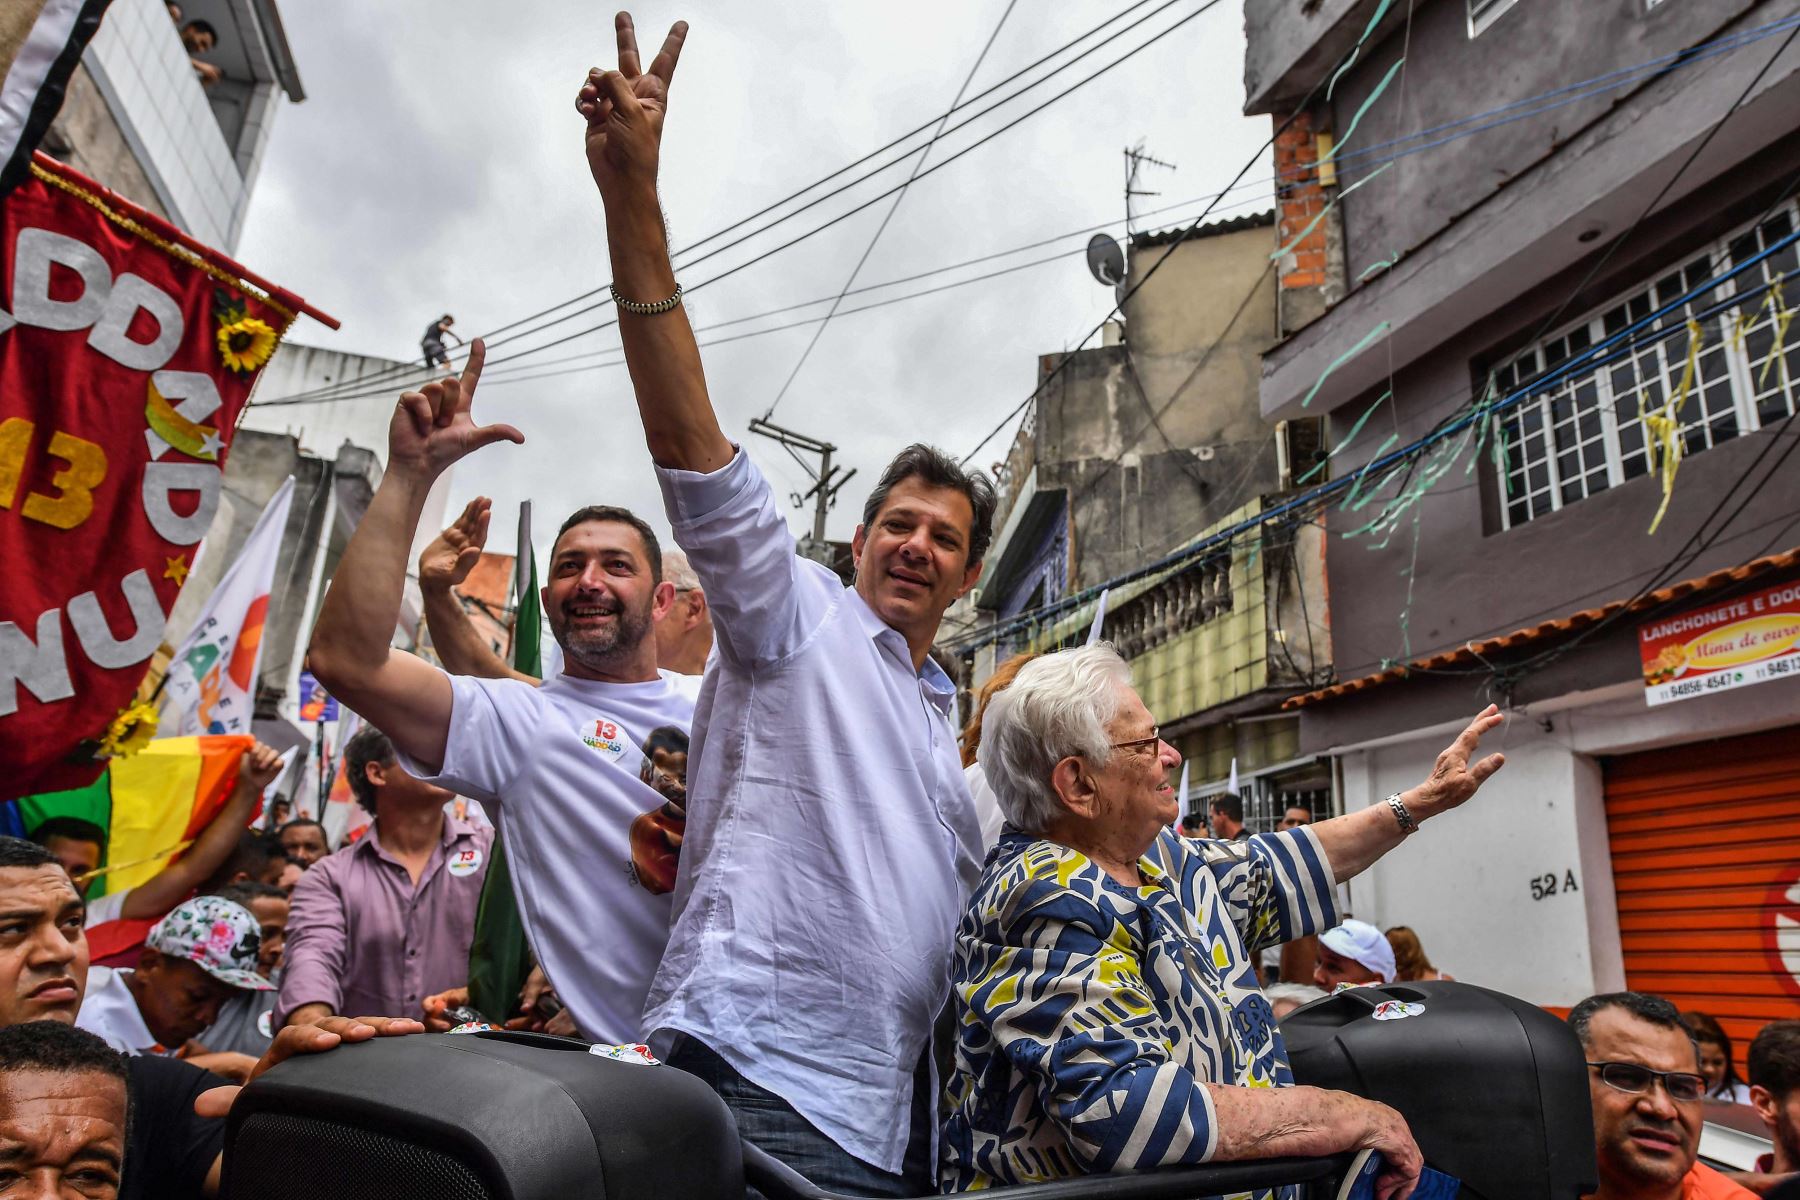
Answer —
1065 999
1277 887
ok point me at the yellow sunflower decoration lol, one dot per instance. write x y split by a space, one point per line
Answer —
246 344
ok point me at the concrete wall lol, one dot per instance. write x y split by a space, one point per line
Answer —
1291 46
87 136
1532 49
1463 882
1152 443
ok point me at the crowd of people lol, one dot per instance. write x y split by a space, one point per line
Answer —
738 824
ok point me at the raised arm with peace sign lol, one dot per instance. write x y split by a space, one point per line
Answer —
624 109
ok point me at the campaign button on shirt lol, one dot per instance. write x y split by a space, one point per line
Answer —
466 861
605 736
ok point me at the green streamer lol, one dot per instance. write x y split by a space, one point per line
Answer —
1326 211
1357 119
1349 437
1380 12
1345 357
1363 475
1377 267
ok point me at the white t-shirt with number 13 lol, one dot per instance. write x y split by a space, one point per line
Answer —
561 761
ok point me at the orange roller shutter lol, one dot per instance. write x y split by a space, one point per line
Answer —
1705 843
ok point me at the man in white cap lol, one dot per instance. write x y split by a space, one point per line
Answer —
1353 954
195 959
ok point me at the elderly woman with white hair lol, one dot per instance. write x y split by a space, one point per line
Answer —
1108 1014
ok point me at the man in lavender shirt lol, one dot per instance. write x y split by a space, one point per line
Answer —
386 921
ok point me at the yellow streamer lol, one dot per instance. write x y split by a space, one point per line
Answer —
1662 430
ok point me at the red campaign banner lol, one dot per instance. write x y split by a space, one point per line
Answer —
1716 647
126 355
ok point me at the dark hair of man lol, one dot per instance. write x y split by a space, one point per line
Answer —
59 1047
667 738
199 26
937 469
1651 1009
623 516
17 852
298 822
252 856
1774 1059
72 829
370 745
1229 803
244 891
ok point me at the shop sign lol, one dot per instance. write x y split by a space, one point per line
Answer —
1731 644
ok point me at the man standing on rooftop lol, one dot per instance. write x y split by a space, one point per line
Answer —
832 842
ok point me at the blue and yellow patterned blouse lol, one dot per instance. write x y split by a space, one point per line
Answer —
1089 1014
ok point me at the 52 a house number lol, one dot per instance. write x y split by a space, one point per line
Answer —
1548 884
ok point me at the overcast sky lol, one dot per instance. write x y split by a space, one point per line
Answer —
436 165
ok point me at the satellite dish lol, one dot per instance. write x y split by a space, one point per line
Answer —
1106 260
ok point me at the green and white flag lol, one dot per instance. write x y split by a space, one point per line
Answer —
499 956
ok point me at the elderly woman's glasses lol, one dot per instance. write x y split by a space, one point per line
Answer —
1634 1079
1150 743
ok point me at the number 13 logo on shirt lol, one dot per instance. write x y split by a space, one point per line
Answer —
605 736
465 862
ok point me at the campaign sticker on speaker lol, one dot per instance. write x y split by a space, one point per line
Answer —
1730 644
126 353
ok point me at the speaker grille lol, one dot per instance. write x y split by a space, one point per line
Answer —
277 1156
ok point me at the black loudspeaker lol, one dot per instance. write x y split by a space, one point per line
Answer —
1494 1089
487 1116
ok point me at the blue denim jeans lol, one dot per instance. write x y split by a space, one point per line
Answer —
771 1123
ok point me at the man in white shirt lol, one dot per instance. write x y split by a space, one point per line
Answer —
832 841
195 959
562 761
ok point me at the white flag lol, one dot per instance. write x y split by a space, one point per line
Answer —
1232 786
211 687
1181 792
1099 625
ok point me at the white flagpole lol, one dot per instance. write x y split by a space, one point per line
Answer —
1095 630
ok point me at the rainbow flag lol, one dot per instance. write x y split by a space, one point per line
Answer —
151 805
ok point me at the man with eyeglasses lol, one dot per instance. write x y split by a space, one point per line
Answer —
1646 1089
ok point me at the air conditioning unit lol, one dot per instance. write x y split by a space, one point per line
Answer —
1299 449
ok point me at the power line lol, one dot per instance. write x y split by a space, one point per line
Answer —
693 261
350 389
907 136
880 229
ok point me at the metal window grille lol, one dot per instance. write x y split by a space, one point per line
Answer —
1483 13
1585 432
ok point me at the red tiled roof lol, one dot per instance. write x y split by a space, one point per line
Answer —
1473 653
490 581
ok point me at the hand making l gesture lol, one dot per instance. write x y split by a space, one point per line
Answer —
624 109
433 427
